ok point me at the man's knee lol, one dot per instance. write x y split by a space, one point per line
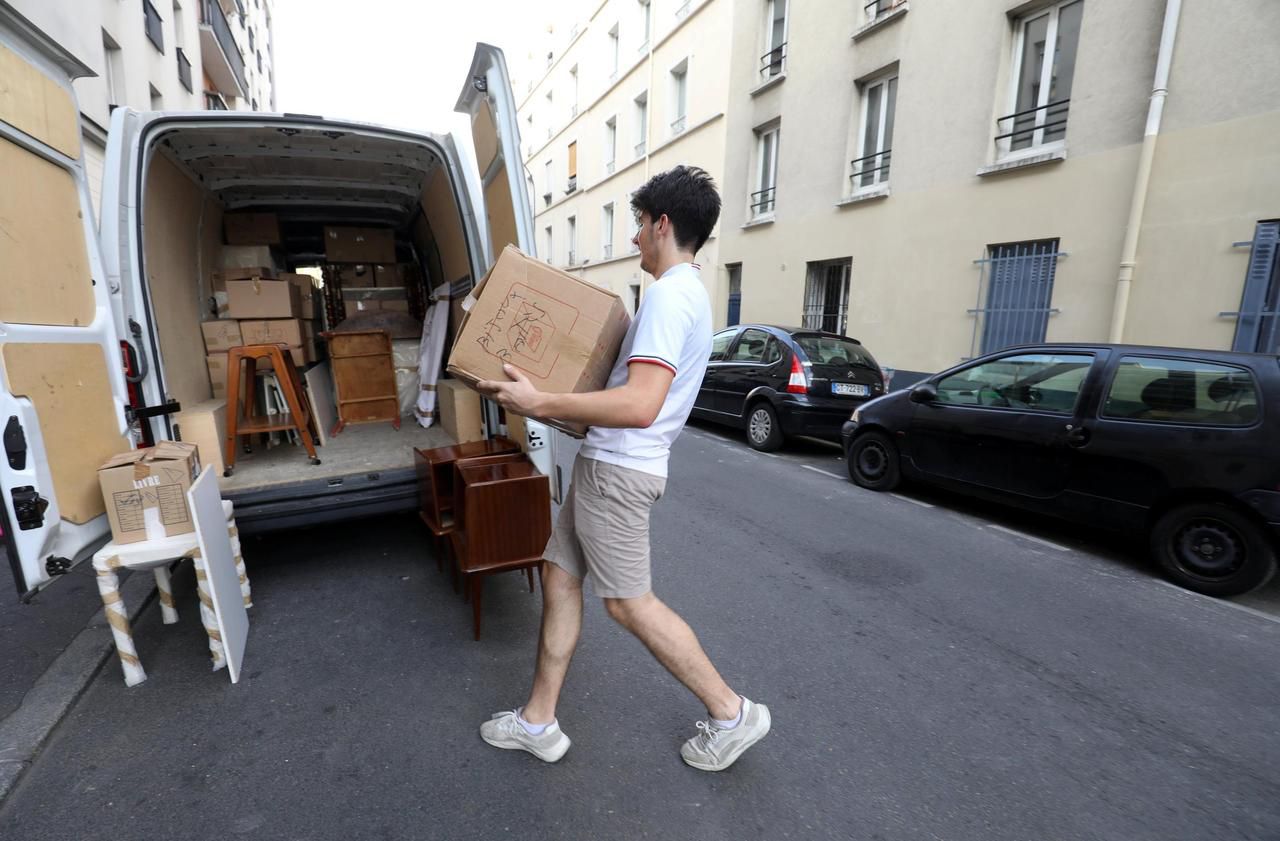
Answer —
556 579
626 611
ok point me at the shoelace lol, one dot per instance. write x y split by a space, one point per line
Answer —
707 733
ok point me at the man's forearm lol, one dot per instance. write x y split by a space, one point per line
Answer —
617 408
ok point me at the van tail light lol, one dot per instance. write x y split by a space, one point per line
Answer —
799 380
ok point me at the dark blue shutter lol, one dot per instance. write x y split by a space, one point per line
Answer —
1256 327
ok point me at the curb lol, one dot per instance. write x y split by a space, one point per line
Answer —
25 730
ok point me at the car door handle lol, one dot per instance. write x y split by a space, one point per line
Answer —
1077 436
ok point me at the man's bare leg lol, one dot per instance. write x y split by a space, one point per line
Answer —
561 624
670 639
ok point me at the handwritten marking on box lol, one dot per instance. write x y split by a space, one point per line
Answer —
522 329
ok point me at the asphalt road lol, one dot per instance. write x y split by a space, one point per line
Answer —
936 669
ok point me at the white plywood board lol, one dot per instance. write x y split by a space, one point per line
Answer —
220 568
320 388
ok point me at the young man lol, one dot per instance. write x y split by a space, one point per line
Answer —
620 472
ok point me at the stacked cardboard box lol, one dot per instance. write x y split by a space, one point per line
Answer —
360 280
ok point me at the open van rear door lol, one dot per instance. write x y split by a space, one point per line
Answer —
495 132
62 386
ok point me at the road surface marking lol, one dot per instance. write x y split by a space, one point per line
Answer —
823 472
1025 536
912 501
1203 599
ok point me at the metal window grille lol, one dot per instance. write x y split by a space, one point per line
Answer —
1035 126
772 62
826 296
152 24
608 167
607 251
876 8
1258 321
1017 283
640 149
762 201
678 124
870 169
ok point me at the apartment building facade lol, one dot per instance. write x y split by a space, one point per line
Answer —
943 179
627 89
150 55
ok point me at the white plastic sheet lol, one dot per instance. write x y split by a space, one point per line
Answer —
431 354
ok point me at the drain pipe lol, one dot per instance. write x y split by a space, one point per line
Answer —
1160 90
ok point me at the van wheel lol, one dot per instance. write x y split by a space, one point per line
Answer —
1213 549
872 461
764 433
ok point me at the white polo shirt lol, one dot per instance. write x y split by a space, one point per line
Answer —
672 329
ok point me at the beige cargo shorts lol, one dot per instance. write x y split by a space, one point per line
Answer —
603 528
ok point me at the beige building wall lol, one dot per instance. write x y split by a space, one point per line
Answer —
691 38
913 245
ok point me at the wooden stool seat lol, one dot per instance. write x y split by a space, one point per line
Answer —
242 419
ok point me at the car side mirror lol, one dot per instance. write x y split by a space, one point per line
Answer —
924 393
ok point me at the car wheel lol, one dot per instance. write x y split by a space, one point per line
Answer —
873 462
1213 549
764 433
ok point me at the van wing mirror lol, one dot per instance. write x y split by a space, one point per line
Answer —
924 393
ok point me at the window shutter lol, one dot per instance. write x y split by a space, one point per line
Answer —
1251 328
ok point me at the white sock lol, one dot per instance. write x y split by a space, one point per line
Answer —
733 722
534 729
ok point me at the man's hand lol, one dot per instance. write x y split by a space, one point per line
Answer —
518 395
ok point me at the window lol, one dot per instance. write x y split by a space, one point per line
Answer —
252 45
610 144
762 199
606 231
720 344
1258 322
573 167
642 123
646 20
1045 51
1181 391
573 91
550 257
179 25
773 62
1047 382
679 96
546 197
735 294
826 295
573 240
613 52
635 298
153 25
1019 291
113 70
830 350
550 103
755 346
879 101
879 8
157 99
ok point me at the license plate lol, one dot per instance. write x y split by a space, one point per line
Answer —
851 389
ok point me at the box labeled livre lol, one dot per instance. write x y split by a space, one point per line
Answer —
562 332
146 491
274 331
221 335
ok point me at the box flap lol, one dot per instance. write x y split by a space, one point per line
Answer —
121 459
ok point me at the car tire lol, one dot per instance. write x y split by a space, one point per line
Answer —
1213 549
764 433
873 463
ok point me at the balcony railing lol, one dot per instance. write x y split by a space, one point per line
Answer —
640 147
184 70
572 185
606 251
870 169
1035 126
772 62
573 258
217 42
762 201
608 167
153 25
678 124
878 8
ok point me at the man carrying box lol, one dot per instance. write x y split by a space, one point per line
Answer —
620 472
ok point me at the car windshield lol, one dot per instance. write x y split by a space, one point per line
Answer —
832 350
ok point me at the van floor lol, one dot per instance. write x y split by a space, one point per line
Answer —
361 448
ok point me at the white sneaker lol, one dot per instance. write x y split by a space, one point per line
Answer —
504 730
715 748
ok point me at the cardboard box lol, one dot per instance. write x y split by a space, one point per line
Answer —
220 278
398 305
221 335
359 245
390 276
260 298
251 229
205 425
563 332
458 408
217 364
302 354
359 276
220 307
308 293
146 491
276 331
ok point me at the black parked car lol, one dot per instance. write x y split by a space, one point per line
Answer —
780 381
1176 444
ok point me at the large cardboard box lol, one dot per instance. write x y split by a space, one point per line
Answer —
217 363
302 354
146 491
563 332
458 408
359 276
276 331
359 245
308 293
221 277
260 298
205 425
221 335
388 276
251 228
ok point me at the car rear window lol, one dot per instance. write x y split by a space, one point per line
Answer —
1182 391
830 350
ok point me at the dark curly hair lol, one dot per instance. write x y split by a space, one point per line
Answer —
688 197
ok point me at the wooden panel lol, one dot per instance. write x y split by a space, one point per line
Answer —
502 213
44 262
68 385
484 134
446 224
34 103
362 377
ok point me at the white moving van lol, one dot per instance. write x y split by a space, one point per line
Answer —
77 301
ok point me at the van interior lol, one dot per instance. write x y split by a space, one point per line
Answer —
310 179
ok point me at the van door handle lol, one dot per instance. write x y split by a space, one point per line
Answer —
1077 436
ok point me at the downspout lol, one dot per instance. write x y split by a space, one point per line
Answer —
1159 91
